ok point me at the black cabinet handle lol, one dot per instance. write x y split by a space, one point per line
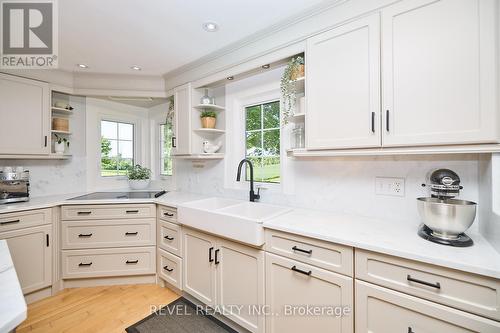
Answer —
373 122
86 264
131 233
294 268
169 238
387 121
174 142
216 257
436 285
47 242
168 269
131 261
295 248
10 222
210 259
84 235
84 213
410 330
168 214
46 141
132 211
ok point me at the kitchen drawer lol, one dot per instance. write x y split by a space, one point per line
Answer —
25 219
108 233
108 262
468 292
101 212
334 257
169 237
167 213
170 268
381 310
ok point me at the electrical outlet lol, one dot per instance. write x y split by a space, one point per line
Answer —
390 186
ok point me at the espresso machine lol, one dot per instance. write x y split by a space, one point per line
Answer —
14 185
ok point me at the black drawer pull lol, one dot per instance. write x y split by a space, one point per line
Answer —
294 268
436 285
169 238
217 257
387 121
168 269
168 214
131 261
84 213
373 122
84 235
210 259
410 330
86 264
301 250
10 222
132 211
131 233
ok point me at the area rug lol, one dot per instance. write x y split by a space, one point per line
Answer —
181 316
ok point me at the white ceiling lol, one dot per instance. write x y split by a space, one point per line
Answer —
159 35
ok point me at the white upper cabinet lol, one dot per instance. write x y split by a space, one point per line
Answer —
182 123
439 72
24 116
343 86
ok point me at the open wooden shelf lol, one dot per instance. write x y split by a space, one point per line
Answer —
197 157
213 107
61 110
61 132
210 130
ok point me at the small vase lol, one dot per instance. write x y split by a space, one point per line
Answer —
298 72
59 148
208 122
139 184
206 100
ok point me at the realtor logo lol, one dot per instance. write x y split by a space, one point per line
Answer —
29 34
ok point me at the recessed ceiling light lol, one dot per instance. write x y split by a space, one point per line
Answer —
230 78
210 26
136 68
266 66
82 66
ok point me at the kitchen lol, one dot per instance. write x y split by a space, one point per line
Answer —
333 166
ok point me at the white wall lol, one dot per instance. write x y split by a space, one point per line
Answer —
489 198
50 177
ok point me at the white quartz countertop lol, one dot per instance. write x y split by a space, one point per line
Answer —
13 312
390 238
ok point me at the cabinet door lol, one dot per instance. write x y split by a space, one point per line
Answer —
439 72
380 310
292 286
240 281
199 271
24 116
31 251
182 130
343 86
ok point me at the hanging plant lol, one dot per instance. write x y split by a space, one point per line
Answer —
293 71
170 112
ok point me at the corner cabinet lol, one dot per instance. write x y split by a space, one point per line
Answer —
25 116
343 86
439 72
181 142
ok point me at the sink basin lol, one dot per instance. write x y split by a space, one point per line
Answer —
234 219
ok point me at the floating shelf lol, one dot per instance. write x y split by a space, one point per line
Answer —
61 132
300 84
297 118
36 157
61 110
209 106
215 156
457 149
210 130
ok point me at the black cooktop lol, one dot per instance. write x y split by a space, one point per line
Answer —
120 195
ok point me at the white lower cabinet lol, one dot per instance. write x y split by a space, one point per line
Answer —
227 275
381 310
31 251
302 298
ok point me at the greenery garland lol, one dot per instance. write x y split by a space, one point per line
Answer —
288 91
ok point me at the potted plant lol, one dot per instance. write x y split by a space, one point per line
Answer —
138 177
293 71
208 119
60 144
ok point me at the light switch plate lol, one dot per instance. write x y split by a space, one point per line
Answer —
390 186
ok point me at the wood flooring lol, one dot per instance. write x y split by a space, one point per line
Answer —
108 309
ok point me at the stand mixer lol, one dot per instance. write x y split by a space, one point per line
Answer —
444 218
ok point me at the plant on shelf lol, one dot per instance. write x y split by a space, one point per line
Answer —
60 144
293 71
138 177
208 119
171 108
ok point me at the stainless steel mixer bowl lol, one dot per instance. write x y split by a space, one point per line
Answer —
447 218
